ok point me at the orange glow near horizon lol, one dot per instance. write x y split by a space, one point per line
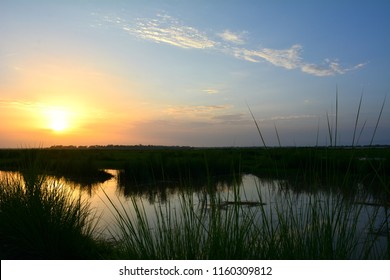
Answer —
58 102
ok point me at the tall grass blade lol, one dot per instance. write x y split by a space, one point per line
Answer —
257 126
337 111
357 120
277 135
329 130
361 132
377 122
318 132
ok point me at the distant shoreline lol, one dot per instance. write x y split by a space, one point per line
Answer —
176 147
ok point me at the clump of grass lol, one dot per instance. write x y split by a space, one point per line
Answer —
204 228
192 232
39 219
322 227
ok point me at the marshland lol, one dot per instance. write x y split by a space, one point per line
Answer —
156 202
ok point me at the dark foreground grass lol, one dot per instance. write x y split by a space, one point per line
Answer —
324 227
41 220
50 224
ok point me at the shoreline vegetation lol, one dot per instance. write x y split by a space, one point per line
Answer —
40 220
89 161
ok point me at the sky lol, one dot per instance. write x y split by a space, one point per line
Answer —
194 73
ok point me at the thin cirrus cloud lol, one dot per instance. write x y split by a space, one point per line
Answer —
288 58
166 29
330 67
291 58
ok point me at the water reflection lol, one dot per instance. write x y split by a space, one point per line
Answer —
162 191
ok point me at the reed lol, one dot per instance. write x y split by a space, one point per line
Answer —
324 227
42 220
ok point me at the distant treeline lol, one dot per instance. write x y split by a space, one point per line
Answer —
120 147
164 147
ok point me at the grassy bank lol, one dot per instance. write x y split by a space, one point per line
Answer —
42 220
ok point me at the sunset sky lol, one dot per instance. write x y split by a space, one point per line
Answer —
187 72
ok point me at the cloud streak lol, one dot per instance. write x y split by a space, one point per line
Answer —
291 58
287 58
328 68
166 29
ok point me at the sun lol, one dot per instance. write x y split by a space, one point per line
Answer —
58 119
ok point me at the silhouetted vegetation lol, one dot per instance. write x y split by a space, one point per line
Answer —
144 163
39 219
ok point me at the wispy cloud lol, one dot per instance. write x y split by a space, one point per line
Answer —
166 29
287 58
291 58
328 68
231 37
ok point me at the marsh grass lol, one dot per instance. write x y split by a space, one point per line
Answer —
324 227
318 227
199 229
40 219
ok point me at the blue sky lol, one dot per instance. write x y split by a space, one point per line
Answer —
185 72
